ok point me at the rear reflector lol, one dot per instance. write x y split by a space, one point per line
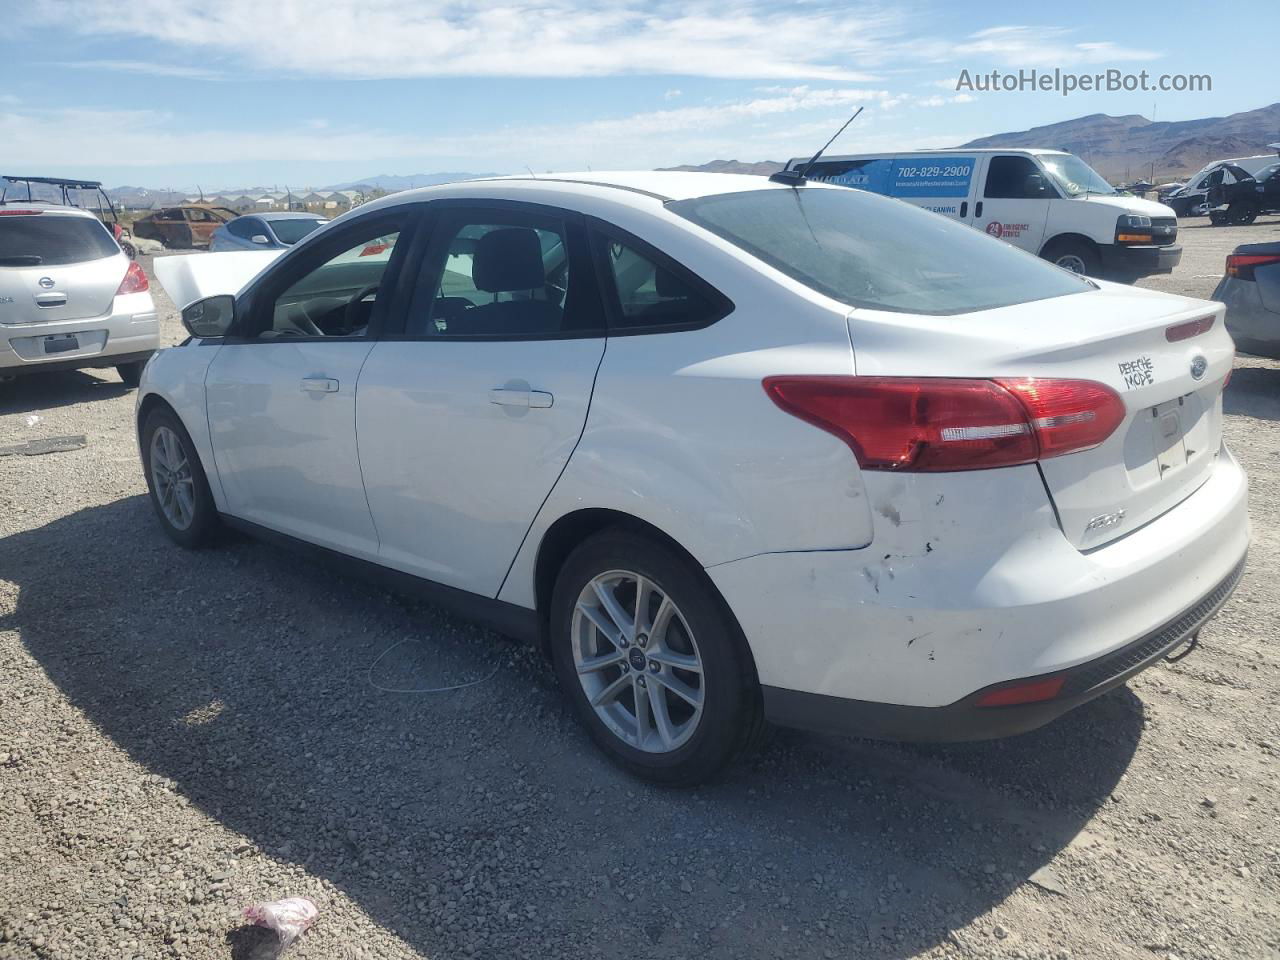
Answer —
20 213
940 424
1030 691
135 281
1242 265
1192 328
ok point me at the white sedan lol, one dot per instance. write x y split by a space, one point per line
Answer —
732 450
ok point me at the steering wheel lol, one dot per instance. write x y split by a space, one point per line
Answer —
303 326
349 315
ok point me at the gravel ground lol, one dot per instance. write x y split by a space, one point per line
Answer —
184 733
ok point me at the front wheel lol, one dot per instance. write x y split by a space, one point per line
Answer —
655 667
176 481
131 373
1074 255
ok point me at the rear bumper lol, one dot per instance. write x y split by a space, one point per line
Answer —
1139 261
1249 319
131 332
970 583
966 719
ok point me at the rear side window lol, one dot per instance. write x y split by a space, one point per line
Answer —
869 251
50 240
648 292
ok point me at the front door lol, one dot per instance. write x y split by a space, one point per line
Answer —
282 391
468 414
1014 205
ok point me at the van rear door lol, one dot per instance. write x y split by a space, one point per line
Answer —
943 184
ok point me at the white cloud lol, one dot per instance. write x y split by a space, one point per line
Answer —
672 94
529 38
143 67
1043 48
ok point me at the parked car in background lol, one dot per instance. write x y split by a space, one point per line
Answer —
82 194
184 226
1243 197
1250 288
264 231
844 464
1047 202
1192 198
70 298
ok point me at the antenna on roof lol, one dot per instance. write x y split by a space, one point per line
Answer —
531 173
793 178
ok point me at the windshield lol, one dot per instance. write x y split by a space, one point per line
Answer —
291 231
870 251
50 240
1074 176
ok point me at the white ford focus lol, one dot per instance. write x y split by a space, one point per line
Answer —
733 450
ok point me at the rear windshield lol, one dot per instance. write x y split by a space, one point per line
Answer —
50 240
291 231
871 251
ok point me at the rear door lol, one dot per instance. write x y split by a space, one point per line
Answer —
56 266
1009 207
281 392
942 184
469 412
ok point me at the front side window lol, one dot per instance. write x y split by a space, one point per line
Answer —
649 293
336 297
870 251
1007 179
244 228
501 277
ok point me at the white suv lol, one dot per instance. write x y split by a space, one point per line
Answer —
731 449
69 296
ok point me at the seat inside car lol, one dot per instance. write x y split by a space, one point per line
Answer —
509 261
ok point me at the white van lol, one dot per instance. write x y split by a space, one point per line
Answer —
1046 201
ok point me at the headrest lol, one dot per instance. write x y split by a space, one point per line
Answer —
508 259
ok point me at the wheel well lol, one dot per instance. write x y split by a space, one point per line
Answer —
563 536
1065 238
150 402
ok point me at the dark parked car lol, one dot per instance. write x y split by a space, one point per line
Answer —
184 226
1250 195
264 231
1251 290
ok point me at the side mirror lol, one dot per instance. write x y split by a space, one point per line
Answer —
211 317
1034 186
259 238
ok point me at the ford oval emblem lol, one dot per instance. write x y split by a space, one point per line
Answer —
1198 366
46 282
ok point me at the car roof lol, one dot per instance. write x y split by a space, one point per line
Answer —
659 185
285 215
46 207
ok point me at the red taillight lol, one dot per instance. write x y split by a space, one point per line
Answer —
938 424
1192 328
135 281
1068 415
1242 265
1025 691
20 213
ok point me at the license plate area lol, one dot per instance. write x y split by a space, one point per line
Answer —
1168 433
61 343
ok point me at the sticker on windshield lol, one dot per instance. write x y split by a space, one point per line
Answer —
1139 372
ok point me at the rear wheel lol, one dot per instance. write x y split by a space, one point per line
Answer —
656 669
130 373
1074 255
1242 212
176 481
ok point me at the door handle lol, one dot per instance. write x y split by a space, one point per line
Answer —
964 208
977 210
538 399
319 385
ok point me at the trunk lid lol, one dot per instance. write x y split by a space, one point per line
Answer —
1116 335
56 266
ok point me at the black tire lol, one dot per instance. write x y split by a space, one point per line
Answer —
204 521
129 249
1242 213
131 373
732 716
1074 255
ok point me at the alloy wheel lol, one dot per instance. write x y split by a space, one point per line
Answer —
637 661
172 479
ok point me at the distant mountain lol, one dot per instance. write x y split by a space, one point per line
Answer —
392 183
761 168
1125 147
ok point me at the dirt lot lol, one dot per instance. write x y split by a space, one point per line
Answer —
184 733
